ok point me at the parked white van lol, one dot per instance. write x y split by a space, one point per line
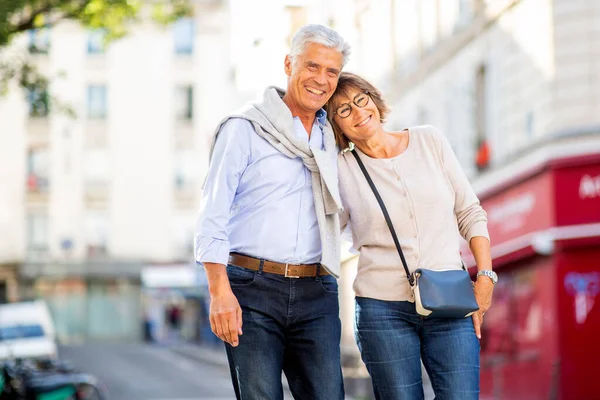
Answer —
27 331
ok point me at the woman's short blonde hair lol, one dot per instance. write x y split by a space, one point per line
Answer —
346 83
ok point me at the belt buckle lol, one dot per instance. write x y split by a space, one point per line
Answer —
286 272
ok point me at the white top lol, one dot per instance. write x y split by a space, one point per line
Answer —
430 202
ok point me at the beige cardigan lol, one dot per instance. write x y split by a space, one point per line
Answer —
430 202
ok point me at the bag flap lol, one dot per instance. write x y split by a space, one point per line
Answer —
448 289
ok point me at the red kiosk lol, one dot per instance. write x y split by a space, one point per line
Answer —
541 338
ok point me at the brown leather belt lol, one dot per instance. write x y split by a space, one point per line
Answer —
287 270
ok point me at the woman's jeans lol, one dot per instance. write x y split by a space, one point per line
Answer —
393 339
290 325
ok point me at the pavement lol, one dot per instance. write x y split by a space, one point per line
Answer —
143 371
357 387
207 354
216 356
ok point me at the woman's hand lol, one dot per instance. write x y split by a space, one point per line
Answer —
483 288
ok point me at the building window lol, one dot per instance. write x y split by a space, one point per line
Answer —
529 124
37 232
182 234
37 170
298 16
97 168
482 145
96 233
423 116
95 41
96 101
39 41
183 33
428 25
185 170
184 102
38 100
466 12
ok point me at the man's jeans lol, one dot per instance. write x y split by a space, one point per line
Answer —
393 339
289 324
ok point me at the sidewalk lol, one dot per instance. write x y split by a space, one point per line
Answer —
206 354
216 356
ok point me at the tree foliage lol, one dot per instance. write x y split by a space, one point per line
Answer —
114 17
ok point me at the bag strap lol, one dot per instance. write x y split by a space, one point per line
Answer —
388 220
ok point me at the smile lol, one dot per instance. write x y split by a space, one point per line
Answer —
315 91
363 122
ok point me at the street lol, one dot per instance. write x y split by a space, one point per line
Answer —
147 372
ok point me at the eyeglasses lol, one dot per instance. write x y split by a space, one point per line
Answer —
360 100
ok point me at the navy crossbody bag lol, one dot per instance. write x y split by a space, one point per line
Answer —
440 293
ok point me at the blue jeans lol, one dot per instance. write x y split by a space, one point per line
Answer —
290 325
393 339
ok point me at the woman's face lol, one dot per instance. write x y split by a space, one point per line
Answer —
363 122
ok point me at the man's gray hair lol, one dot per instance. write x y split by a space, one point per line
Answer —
321 35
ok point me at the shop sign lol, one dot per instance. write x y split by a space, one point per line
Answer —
578 195
520 210
589 187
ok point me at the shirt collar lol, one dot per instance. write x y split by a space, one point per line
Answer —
321 117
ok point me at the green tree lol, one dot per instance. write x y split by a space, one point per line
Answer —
114 17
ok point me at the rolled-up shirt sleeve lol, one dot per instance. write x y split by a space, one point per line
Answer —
229 160
471 217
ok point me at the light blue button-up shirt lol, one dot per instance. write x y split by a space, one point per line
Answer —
257 201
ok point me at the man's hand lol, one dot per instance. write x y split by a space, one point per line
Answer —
226 317
483 288
225 311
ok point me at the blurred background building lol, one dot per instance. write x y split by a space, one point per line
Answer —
94 208
89 202
515 86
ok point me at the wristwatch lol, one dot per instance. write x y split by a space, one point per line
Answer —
490 274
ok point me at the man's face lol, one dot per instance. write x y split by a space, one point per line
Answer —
312 78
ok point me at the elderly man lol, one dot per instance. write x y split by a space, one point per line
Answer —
268 231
